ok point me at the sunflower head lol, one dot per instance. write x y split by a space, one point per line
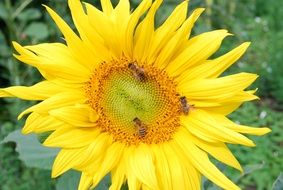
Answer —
144 104
131 97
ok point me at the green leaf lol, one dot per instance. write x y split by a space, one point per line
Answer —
278 184
43 136
104 183
125 186
31 152
37 30
251 168
29 14
68 181
206 184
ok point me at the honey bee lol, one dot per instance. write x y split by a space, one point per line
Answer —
184 105
141 127
137 71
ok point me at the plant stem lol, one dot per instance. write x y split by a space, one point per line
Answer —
21 8
14 70
209 4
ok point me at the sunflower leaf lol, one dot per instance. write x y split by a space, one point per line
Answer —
37 30
104 184
251 168
278 184
31 152
68 181
29 14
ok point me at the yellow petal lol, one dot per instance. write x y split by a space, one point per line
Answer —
54 61
175 20
71 137
170 49
192 177
197 49
218 150
225 108
200 132
39 91
111 159
107 30
39 123
132 180
95 153
225 61
29 127
167 29
133 21
240 128
144 187
144 31
162 168
200 160
88 34
205 125
219 88
65 160
228 105
210 104
26 56
201 103
122 16
80 157
85 181
122 10
142 163
118 174
59 100
243 96
175 166
106 6
58 53
78 115
213 68
76 46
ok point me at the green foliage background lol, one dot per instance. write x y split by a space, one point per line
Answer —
258 21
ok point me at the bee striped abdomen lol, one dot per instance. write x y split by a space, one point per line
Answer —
140 127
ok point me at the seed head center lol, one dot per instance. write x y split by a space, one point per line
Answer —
123 94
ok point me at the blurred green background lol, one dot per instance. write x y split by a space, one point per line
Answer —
258 21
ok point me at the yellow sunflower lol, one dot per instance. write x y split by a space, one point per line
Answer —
143 104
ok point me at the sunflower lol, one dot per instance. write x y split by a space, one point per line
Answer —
143 104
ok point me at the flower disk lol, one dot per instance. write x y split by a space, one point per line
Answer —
147 105
118 95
